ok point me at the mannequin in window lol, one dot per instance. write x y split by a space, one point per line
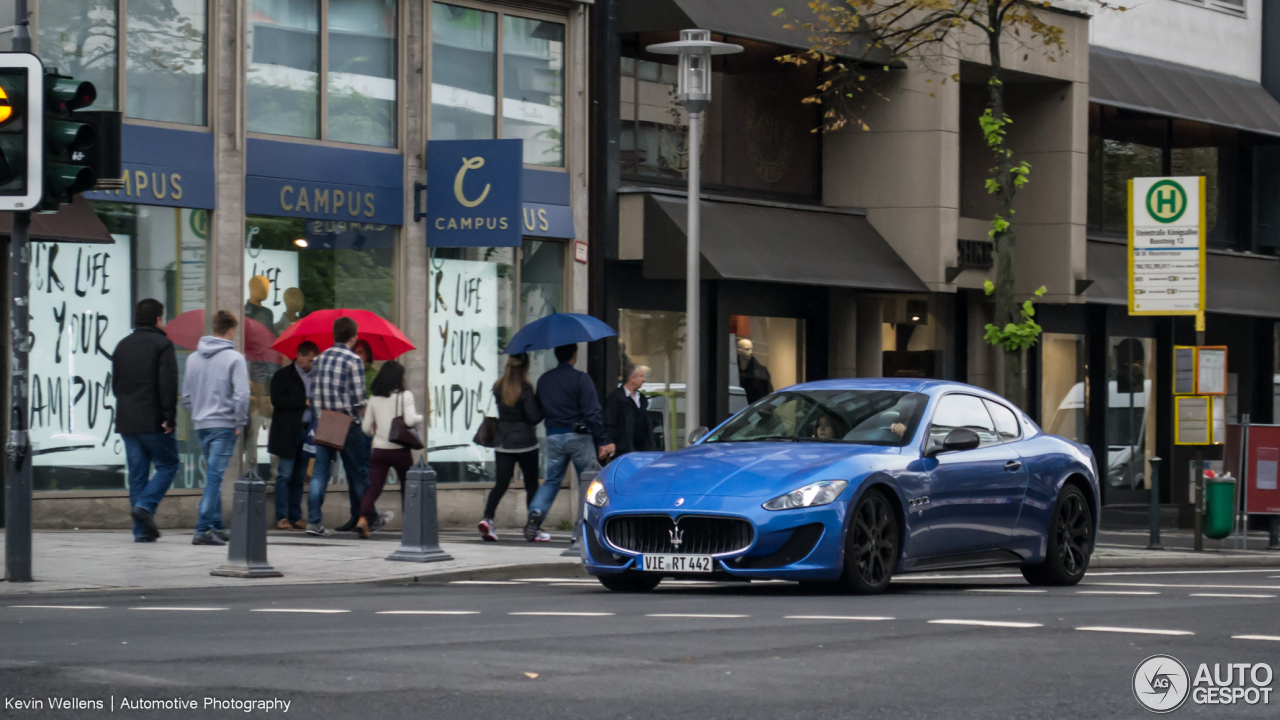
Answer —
293 302
752 376
260 371
259 289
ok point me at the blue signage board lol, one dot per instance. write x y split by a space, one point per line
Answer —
164 167
473 193
288 179
546 204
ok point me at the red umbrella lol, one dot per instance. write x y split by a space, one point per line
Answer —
385 339
186 330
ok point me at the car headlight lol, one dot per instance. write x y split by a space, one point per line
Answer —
596 494
823 492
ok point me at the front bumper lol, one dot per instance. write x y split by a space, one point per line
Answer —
801 544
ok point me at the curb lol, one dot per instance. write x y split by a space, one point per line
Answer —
1184 561
567 569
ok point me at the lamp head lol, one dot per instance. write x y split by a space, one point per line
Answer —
695 48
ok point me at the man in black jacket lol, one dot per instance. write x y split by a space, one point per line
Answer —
290 419
626 413
144 378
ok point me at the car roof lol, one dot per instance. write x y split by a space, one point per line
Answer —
926 386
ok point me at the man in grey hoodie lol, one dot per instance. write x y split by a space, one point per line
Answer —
216 393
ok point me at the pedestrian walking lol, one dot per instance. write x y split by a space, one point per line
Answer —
337 385
290 421
144 378
516 440
626 413
216 393
389 401
572 412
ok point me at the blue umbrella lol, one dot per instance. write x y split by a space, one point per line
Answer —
558 329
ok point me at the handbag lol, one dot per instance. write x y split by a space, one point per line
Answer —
401 434
332 429
487 434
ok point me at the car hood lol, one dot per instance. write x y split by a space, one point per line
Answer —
739 469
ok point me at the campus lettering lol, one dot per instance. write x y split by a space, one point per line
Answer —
326 201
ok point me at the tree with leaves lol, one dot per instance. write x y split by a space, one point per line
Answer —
857 42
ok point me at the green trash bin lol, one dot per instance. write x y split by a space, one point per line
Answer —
1219 506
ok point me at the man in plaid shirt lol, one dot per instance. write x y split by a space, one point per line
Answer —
337 384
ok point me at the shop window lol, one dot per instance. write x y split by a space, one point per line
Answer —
165 51
1064 388
479 298
768 355
465 104
655 339
356 53
293 267
82 300
909 338
757 134
1131 412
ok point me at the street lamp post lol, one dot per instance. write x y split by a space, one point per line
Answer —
695 49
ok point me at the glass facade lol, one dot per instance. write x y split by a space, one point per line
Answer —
362 72
82 299
1131 412
655 339
1064 386
283 83
465 45
78 38
480 298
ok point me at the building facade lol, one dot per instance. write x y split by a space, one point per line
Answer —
271 153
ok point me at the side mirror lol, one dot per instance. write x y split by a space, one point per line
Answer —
961 439
701 432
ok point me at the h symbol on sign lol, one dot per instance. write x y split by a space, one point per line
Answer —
1166 198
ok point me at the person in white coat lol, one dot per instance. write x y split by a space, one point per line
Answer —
389 401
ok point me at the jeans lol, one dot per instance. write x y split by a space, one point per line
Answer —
291 475
217 445
141 451
355 461
561 449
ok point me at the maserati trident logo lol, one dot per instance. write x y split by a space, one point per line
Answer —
677 536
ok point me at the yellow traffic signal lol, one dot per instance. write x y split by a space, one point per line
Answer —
6 108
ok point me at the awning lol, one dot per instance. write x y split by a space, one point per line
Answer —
74 223
1163 88
774 244
1236 284
749 19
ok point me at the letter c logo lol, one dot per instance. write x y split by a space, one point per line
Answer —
469 164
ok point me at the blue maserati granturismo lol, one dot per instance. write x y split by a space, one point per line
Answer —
844 483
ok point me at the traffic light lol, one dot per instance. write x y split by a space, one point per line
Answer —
68 142
21 131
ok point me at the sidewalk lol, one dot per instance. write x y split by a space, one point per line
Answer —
106 560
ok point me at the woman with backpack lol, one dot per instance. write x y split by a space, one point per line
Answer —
516 442
389 401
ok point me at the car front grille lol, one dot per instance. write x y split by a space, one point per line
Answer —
697 534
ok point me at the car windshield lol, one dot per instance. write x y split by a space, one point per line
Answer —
862 417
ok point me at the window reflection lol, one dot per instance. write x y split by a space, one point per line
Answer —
655 339
283 45
78 38
362 72
1131 418
1064 386
533 87
463 73
165 45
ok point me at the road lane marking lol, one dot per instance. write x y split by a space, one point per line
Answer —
486 582
1116 592
300 610
555 580
182 609
1230 595
1092 574
987 623
868 618
563 614
1189 587
61 607
427 612
1273 638
1135 631
693 615
1004 590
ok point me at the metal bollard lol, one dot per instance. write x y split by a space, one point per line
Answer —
420 540
1154 543
247 550
584 482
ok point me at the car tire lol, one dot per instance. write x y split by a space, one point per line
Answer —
629 582
871 546
1070 542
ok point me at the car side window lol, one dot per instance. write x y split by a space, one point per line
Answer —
1006 422
962 411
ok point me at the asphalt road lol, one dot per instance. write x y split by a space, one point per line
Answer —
763 650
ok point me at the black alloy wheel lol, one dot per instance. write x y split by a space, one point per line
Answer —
1070 542
871 547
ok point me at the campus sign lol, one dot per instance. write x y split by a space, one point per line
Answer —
473 193
1166 246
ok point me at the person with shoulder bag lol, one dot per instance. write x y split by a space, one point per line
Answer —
387 420
516 441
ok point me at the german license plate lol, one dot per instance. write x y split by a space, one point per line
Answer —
677 563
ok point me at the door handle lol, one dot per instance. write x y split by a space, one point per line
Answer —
1012 465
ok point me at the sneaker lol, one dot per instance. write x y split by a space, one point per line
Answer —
384 519
319 530
533 525
348 526
207 538
542 536
486 530
144 539
147 521
284 524
222 534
